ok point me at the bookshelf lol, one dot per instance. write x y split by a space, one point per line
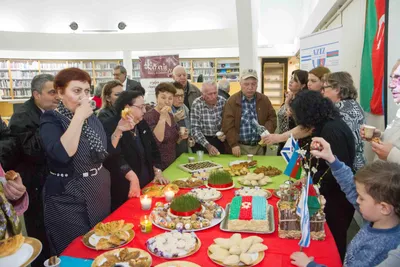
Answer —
5 87
136 70
103 71
187 64
203 67
229 68
274 81
16 74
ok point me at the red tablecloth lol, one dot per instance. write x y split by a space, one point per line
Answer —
277 255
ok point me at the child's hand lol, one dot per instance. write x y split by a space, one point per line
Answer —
324 152
300 259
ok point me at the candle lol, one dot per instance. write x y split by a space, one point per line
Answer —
145 224
169 195
145 201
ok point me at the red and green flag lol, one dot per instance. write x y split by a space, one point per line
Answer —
372 65
293 169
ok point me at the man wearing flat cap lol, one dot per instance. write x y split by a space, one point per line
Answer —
241 111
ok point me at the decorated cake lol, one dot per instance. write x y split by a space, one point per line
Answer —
248 213
289 221
185 205
220 179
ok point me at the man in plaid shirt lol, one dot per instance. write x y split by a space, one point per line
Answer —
247 114
206 118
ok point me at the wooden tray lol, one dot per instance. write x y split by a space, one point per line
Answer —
214 166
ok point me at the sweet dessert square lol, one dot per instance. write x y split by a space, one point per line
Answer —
248 213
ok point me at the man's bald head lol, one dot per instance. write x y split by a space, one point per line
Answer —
179 75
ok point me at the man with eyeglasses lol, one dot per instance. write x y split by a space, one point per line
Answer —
181 116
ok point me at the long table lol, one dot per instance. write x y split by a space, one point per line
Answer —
279 249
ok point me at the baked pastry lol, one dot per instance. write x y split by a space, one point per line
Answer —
125 112
10 245
376 140
11 175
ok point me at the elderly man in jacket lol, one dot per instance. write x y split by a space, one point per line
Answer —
244 112
191 91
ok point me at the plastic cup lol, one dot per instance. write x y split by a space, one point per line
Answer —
369 131
46 263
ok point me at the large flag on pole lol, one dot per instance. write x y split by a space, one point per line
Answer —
372 64
288 149
293 169
302 212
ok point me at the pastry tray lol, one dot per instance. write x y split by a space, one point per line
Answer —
215 166
270 213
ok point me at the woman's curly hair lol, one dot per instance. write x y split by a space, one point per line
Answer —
311 109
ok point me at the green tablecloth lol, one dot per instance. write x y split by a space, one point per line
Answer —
173 172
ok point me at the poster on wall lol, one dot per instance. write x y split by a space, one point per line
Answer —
155 70
321 49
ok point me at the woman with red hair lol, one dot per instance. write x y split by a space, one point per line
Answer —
77 190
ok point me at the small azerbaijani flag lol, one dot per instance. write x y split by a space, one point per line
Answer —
293 169
302 212
287 150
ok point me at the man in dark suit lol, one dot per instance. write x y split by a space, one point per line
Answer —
120 74
24 126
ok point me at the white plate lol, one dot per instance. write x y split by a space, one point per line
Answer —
94 239
214 222
222 189
219 196
19 257
27 253
238 162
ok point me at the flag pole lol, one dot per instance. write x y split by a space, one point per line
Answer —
301 249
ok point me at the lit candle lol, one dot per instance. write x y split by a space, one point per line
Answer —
145 201
169 195
145 224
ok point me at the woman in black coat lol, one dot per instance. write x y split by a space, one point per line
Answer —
311 110
134 154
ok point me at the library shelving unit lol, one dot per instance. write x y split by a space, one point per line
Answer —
5 81
187 64
204 67
230 68
136 70
274 79
103 70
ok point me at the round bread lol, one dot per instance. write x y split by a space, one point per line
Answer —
11 175
125 112
10 245
376 140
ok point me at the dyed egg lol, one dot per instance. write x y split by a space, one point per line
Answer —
179 226
188 226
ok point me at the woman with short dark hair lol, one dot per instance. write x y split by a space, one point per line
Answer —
77 190
161 121
133 151
313 111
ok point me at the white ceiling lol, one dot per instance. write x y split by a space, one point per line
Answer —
280 21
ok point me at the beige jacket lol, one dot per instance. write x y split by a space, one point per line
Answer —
392 135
